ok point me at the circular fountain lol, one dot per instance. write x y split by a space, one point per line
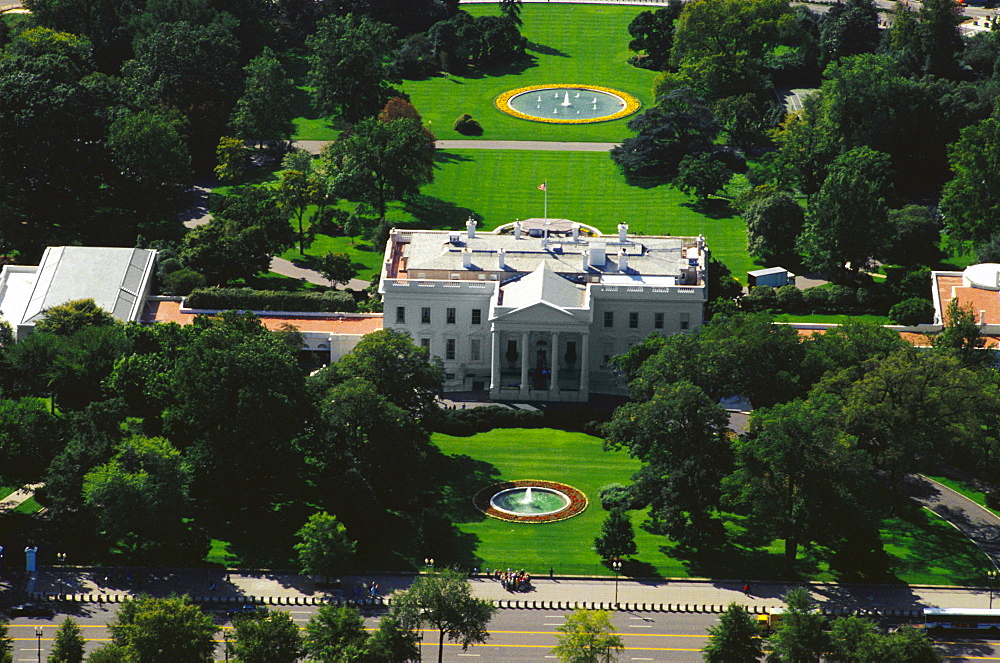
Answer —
567 104
530 501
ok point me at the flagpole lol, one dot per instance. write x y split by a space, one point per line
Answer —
546 203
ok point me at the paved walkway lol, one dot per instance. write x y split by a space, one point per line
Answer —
981 525
15 499
274 586
314 146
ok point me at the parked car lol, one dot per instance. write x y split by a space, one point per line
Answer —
32 610
243 610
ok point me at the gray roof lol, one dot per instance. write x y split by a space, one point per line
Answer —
543 285
113 277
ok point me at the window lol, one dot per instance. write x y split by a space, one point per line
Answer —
425 315
658 320
477 316
685 320
607 352
400 315
609 318
425 343
449 348
633 320
475 349
449 316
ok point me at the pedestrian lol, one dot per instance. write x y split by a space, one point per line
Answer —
552 573
746 590
211 586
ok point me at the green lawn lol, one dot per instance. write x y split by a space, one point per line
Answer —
820 318
921 547
573 44
962 487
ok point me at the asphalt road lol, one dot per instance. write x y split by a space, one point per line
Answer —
517 636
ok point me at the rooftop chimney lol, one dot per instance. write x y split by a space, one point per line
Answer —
576 232
622 232
466 258
517 229
982 317
622 261
470 228
596 255
502 258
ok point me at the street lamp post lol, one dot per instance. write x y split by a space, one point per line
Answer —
225 646
38 634
616 564
991 578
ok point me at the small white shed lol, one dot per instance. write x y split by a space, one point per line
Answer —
772 276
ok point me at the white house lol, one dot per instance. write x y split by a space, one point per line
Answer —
536 309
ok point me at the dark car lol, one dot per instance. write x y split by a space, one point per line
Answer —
243 610
32 610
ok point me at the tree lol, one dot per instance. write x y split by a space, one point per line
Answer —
264 111
773 224
855 639
29 439
192 68
808 142
348 66
798 477
511 10
962 337
735 639
268 637
908 645
678 125
69 318
847 221
109 653
392 643
971 199
679 434
377 162
296 191
337 267
444 601
141 492
617 538
68 645
244 233
912 311
720 44
398 369
916 233
6 645
168 630
587 636
232 160
324 547
799 637
849 28
702 175
335 634
653 32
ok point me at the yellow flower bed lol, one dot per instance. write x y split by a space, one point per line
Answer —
503 103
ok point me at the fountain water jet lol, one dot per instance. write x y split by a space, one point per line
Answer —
527 496
566 100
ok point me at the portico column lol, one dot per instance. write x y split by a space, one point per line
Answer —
495 361
585 368
554 386
524 362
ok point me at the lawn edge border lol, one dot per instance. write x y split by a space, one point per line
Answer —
578 501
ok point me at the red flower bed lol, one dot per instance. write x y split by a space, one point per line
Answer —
577 501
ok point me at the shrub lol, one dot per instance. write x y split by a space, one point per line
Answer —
760 298
462 423
615 496
912 311
182 282
841 298
467 126
815 300
788 298
248 299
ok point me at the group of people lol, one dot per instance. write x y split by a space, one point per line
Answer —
360 592
513 581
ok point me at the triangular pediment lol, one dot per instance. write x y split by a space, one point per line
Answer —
539 313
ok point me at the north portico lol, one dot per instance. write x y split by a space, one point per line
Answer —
536 309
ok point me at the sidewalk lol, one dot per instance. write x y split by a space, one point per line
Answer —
113 585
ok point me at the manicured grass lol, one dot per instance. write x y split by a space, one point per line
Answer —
367 259
573 44
28 506
219 553
922 548
820 318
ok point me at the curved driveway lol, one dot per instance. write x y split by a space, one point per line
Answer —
978 523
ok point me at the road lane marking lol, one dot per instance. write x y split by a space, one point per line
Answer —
640 626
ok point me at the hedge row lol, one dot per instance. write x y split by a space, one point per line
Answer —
248 299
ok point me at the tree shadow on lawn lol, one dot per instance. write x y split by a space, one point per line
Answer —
440 156
459 478
713 208
510 69
431 212
545 50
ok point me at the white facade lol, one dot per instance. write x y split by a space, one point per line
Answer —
534 310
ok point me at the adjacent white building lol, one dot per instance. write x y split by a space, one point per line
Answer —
536 309
117 279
